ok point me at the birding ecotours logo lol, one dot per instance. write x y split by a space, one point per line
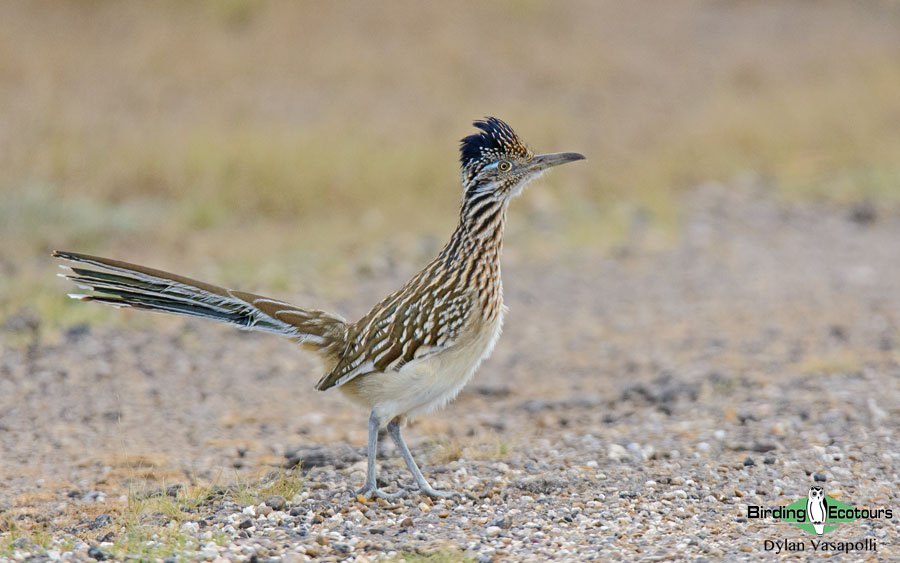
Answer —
817 509
817 513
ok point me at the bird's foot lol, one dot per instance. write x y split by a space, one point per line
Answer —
426 489
371 490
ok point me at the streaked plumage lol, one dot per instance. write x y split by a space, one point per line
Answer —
412 352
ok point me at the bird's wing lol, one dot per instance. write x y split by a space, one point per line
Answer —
399 332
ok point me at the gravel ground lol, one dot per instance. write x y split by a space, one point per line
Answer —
637 403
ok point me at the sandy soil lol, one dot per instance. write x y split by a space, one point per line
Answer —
636 404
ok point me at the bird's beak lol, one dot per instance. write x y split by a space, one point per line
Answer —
544 161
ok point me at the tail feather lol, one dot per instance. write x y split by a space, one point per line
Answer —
122 284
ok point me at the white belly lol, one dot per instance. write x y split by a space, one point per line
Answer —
424 385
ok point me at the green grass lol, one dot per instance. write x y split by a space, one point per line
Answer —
285 483
148 524
145 537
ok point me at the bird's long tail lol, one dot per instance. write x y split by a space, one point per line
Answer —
121 284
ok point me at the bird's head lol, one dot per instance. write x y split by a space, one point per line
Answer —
496 161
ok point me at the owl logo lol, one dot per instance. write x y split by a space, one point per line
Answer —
817 508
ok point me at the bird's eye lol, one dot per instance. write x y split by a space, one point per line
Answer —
504 166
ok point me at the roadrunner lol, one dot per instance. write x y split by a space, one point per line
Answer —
414 351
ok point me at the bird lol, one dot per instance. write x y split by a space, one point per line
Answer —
417 348
817 508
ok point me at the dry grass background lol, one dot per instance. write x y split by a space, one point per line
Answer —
222 136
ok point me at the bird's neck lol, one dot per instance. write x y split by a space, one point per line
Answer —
474 248
479 231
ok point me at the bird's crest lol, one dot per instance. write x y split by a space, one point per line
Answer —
497 140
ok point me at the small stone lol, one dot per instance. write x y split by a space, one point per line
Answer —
322 540
492 531
247 522
748 462
819 476
443 514
616 452
264 510
769 460
379 530
95 552
341 547
101 521
20 543
276 502
406 522
503 523
424 507
190 527
635 450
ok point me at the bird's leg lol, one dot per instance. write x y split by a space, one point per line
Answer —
424 488
371 488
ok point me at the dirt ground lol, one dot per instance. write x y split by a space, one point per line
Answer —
634 407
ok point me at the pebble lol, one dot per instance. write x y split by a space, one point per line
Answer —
276 502
617 452
341 547
492 531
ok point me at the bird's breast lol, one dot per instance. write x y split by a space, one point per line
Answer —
424 385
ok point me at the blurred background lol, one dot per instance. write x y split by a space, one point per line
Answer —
301 148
